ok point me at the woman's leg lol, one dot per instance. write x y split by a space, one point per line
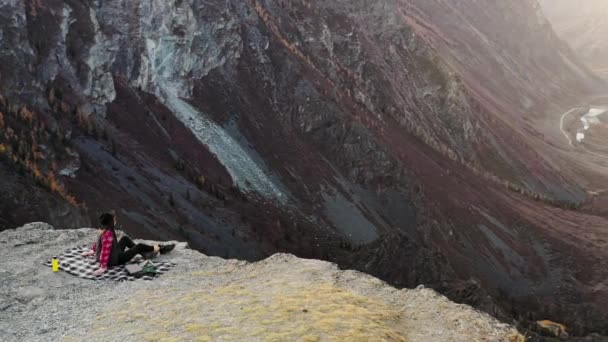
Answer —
125 242
140 248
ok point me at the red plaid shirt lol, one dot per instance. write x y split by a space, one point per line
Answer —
106 248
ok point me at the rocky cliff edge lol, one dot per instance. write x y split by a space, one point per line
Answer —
282 298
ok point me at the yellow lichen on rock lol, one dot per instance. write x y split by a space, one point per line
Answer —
286 312
553 328
288 299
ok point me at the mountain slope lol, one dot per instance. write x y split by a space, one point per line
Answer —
208 298
583 26
517 64
392 137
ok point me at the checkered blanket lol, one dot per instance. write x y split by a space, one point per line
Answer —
74 263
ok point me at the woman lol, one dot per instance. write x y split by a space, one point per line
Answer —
110 251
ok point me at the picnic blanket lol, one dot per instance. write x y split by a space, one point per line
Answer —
74 263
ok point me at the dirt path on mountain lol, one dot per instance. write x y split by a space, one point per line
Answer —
561 125
565 133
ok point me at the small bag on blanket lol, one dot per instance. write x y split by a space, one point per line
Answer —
140 270
133 269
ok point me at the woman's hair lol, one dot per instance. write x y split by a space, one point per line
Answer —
107 221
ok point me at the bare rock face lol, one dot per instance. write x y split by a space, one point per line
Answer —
392 137
207 298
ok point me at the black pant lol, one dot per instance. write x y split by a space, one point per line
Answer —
126 256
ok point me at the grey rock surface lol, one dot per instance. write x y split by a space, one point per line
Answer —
282 298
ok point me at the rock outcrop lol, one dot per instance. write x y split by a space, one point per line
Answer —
203 298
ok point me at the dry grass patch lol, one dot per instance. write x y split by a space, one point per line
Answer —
277 311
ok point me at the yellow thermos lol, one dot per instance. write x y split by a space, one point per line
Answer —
55 264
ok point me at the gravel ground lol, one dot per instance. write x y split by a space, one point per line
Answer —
282 298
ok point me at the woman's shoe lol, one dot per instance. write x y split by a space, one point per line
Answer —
164 249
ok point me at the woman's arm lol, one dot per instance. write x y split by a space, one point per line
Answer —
90 252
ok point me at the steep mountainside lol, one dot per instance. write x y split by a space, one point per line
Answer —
389 136
33 157
506 52
584 26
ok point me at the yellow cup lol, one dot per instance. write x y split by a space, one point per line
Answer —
55 264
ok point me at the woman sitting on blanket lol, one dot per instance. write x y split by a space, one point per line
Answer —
110 251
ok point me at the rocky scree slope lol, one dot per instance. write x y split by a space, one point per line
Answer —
208 298
389 136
